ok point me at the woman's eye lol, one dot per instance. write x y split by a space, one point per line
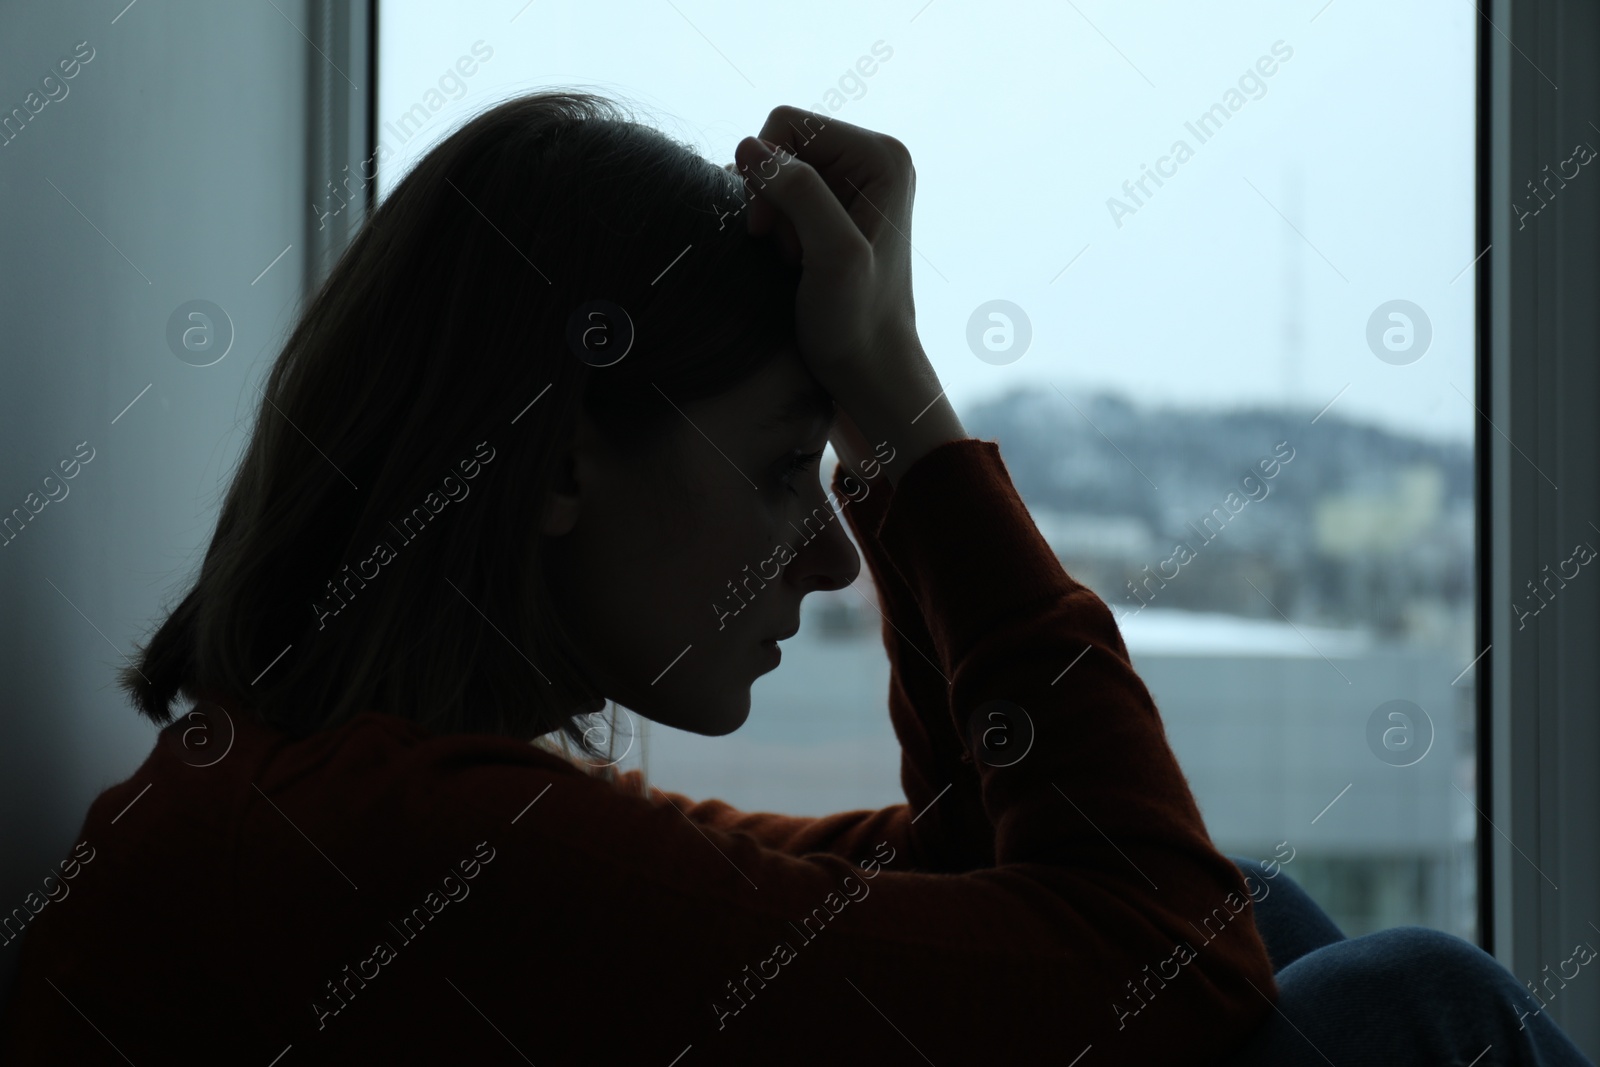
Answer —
797 466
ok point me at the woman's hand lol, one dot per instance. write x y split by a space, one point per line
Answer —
838 198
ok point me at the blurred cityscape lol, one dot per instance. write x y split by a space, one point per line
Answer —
1326 572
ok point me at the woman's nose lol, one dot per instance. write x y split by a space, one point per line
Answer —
826 559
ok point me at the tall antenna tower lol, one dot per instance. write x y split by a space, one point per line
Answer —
1293 307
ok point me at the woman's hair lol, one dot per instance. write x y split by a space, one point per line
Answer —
379 546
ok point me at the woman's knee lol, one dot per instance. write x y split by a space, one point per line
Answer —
1408 949
1406 965
1429 951
1408 994
1262 884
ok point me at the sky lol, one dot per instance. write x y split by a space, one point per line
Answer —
1264 267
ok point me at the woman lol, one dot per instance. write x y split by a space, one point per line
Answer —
567 388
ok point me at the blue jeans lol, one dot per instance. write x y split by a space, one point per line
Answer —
1407 995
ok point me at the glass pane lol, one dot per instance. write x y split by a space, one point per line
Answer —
1205 275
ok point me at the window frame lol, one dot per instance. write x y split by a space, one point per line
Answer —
1539 796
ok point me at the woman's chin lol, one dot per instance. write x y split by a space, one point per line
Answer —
709 719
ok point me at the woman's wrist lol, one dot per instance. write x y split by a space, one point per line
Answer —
908 414
937 425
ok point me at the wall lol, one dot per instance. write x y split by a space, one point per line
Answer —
173 169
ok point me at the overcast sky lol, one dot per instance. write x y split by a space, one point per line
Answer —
1337 183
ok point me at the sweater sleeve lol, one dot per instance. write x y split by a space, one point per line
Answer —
952 830
1108 920
943 825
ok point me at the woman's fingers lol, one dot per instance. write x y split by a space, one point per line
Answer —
762 216
786 189
837 149
869 172
840 197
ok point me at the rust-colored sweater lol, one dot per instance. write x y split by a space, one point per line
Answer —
378 894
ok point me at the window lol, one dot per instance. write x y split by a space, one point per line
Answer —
1156 258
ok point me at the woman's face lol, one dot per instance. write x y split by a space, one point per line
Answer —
674 570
